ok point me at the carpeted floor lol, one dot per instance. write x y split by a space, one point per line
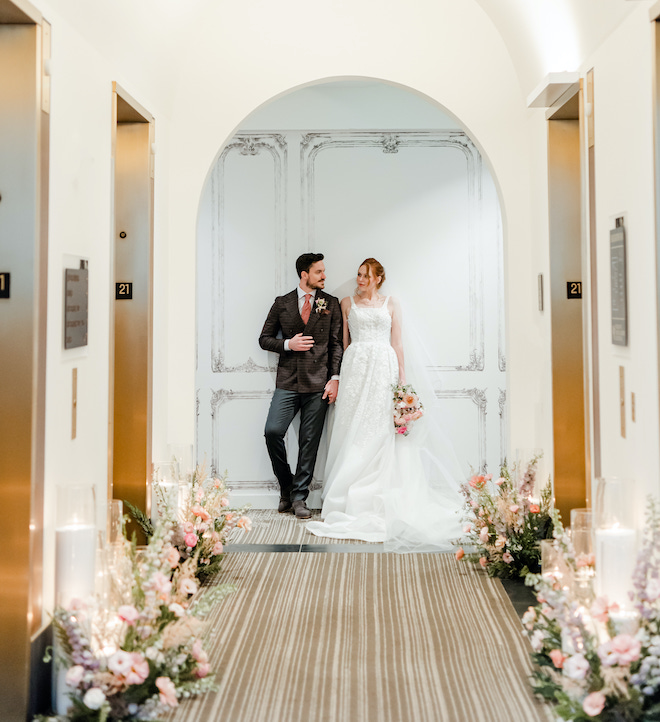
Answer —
364 637
269 527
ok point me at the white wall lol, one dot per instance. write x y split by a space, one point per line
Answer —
80 227
425 50
625 186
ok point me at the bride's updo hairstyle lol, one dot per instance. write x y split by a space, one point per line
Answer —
375 269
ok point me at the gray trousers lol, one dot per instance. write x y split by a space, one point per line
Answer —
283 407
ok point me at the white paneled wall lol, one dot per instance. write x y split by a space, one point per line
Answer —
422 203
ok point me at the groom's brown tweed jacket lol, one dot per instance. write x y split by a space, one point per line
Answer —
304 371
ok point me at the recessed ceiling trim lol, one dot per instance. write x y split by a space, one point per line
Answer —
19 12
553 88
654 12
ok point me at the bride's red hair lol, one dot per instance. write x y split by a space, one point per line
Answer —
375 269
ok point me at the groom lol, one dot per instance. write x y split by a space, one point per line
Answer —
305 328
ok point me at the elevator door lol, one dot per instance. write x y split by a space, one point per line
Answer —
131 357
24 127
564 185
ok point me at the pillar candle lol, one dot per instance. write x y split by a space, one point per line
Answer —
616 551
75 558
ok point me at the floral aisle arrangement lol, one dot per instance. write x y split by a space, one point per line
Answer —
407 408
595 660
136 661
503 522
200 519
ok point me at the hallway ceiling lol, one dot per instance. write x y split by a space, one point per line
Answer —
541 36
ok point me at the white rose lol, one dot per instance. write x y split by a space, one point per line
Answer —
177 609
94 698
529 617
653 589
74 675
576 667
537 640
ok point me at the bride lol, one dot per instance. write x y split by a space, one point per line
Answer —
382 486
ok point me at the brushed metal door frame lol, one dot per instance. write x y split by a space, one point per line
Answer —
567 240
129 454
24 165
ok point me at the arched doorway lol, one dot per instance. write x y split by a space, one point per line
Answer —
352 169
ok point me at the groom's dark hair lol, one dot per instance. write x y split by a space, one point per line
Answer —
306 261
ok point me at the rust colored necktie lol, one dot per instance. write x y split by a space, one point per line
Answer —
306 309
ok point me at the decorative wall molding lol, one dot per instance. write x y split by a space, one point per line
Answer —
504 425
246 145
480 400
314 143
219 398
501 311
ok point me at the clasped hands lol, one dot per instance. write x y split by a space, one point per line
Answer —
304 343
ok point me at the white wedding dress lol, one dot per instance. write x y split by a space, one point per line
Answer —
380 486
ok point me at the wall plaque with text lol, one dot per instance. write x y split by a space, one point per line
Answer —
75 307
619 284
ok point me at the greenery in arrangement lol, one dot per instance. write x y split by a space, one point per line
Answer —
200 519
594 660
504 524
136 660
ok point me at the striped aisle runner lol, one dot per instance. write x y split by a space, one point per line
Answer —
364 637
269 527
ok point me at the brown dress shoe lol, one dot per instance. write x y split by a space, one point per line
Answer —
300 510
284 506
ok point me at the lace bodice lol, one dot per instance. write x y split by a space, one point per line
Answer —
370 325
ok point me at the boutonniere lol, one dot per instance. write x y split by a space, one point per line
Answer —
321 305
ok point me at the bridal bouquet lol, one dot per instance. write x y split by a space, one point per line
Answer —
504 523
596 662
136 661
407 408
199 517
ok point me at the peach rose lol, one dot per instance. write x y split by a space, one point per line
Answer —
483 561
139 670
460 554
534 508
557 658
188 586
167 691
594 704
128 613
244 523
601 608
200 512
173 557
217 548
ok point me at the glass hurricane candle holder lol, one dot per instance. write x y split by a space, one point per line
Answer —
75 544
583 541
164 489
615 538
182 456
115 521
553 566
75 564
